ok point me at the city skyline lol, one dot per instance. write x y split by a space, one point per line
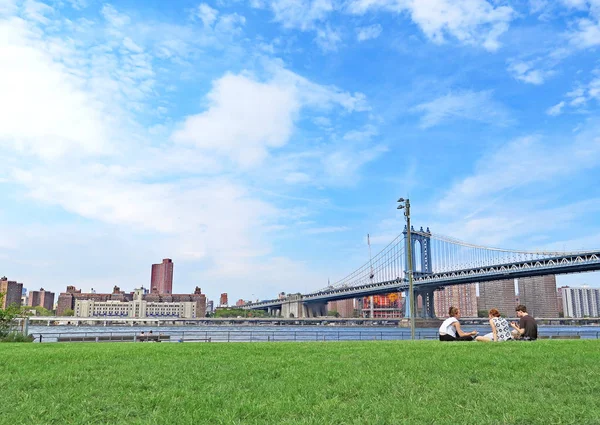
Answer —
257 144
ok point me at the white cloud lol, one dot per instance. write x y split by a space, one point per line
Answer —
244 119
328 39
37 11
207 14
37 89
470 105
230 24
368 33
520 163
475 22
526 72
301 14
556 109
8 7
581 96
131 46
330 229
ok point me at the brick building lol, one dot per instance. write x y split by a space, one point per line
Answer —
498 294
161 281
462 296
188 306
67 300
41 298
539 295
345 308
223 302
12 292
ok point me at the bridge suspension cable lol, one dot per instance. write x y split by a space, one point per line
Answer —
449 254
387 265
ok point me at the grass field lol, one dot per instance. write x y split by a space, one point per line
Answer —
376 382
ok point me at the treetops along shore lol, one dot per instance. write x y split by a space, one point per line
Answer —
370 382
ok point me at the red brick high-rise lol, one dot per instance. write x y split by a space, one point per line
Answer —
223 300
12 292
41 298
162 277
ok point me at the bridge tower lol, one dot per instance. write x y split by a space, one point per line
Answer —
421 265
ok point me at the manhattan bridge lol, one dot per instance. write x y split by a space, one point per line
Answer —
437 261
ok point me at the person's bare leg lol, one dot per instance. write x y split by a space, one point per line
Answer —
483 339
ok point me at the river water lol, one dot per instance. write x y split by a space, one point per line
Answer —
278 333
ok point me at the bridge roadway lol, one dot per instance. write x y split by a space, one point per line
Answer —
564 264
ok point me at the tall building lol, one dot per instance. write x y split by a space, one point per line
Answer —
345 308
538 294
580 302
41 298
498 294
12 292
462 296
161 281
223 300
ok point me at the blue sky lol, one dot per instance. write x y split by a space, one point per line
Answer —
257 143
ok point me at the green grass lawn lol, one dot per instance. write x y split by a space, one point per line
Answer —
375 382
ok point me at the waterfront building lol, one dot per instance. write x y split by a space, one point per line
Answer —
68 299
462 296
382 306
12 292
41 298
498 294
580 302
345 308
539 294
161 281
139 307
223 302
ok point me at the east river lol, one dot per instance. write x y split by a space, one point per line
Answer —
223 333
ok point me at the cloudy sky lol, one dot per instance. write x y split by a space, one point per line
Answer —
256 143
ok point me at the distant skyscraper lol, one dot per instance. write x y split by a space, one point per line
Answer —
12 292
162 277
462 296
539 294
498 294
581 302
223 300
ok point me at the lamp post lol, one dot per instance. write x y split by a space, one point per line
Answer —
405 204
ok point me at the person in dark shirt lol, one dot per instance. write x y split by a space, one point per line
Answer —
527 327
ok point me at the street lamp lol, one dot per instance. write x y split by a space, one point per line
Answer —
405 204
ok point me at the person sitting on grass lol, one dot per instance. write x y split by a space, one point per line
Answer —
527 329
450 329
500 328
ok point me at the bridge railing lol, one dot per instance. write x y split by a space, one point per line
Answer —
325 335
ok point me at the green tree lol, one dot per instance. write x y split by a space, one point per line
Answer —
68 312
36 311
482 313
6 318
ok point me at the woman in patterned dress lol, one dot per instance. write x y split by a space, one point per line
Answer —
500 328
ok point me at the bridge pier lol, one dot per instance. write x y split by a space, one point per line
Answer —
428 310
